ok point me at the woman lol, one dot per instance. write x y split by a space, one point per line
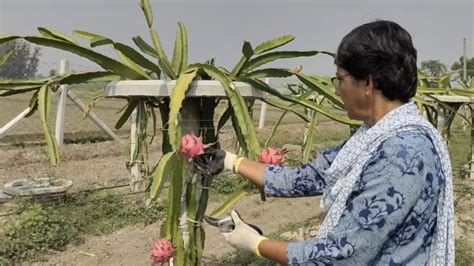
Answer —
387 189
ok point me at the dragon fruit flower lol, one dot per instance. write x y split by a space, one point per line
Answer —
162 251
272 156
191 146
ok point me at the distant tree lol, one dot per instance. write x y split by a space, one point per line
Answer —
433 68
458 65
23 62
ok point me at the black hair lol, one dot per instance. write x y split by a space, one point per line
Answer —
383 50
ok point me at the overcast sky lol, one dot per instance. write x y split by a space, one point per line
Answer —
218 28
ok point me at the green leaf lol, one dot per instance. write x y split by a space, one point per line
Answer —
163 60
106 62
238 67
277 124
56 35
273 44
100 42
131 105
303 102
33 105
154 124
224 118
5 58
326 112
145 47
323 87
290 108
147 11
131 64
44 107
44 98
77 78
308 145
463 92
269 57
180 54
136 57
426 90
163 171
18 90
309 141
174 199
127 54
9 83
243 60
247 50
238 133
177 97
7 38
231 201
269 72
95 39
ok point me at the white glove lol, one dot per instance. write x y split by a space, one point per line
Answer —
229 161
243 236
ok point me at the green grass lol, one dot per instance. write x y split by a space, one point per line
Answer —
464 253
459 148
53 225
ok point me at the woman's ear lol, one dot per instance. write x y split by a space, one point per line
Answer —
370 84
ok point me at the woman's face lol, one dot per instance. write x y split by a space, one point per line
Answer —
354 94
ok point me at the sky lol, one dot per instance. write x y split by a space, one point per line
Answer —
218 28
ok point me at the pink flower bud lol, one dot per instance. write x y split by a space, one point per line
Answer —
162 251
272 156
191 146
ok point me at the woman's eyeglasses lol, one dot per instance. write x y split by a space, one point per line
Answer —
336 81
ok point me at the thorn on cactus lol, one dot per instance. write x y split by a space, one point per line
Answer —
298 69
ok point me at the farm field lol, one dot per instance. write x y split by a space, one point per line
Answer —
96 165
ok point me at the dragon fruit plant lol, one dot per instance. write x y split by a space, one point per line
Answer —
188 190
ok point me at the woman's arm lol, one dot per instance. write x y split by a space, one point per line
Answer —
282 181
274 250
252 171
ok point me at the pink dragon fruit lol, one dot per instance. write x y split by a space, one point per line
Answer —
272 156
191 146
162 251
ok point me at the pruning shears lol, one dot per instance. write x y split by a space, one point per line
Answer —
226 224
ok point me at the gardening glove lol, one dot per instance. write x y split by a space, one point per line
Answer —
213 161
243 236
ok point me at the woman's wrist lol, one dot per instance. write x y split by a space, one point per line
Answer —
237 162
232 162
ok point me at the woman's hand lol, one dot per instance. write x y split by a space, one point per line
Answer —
243 236
247 238
213 161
